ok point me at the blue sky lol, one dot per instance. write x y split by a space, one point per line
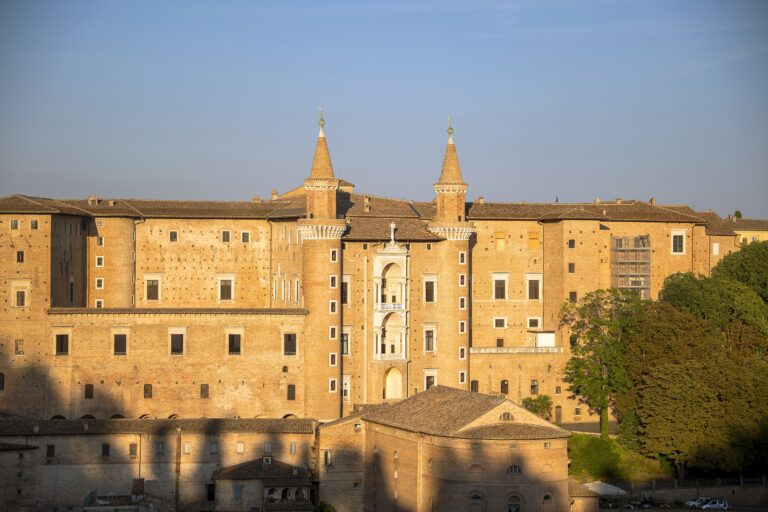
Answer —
218 100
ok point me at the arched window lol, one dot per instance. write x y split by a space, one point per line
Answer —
506 416
173 416
300 495
272 494
58 417
88 417
514 469
475 468
475 497
117 417
547 498
144 417
505 387
514 504
289 416
147 390
285 494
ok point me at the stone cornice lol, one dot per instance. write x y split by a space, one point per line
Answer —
322 231
448 188
452 232
178 311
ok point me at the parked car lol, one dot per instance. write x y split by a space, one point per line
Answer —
698 502
716 504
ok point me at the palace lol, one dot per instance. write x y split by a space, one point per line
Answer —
315 301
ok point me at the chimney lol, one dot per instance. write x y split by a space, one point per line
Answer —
367 203
652 201
480 200
618 200
255 199
597 200
274 193
111 202
92 200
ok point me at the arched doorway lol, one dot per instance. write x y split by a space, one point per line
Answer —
393 384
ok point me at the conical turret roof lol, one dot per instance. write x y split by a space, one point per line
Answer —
321 164
451 172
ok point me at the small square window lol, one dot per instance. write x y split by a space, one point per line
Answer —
100 241
99 261
99 303
19 256
173 236
429 247
499 342
225 236
14 224
533 323
365 247
33 224
573 296
500 323
571 243
99 283
245 237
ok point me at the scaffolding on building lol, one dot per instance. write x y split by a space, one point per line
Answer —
631 264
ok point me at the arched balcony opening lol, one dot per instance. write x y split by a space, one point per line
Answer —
390 338
390 292
393 384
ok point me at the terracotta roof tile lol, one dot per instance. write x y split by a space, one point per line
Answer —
354 205
750 224
259 470
512 430
377 229
29 205
31 427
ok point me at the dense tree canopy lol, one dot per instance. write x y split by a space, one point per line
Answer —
749 265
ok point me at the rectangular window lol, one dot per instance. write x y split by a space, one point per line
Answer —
203 390
233 344
474 386
152 288
213 448
344 343
332 331
327 457
678 241
71 291
120 344
240 447
533 287
99 261
534 323
105 449
577 411
499 342
177 344
133 450
33 224
19 347
159 448
462 326
225 236
558 390
50 450
573 296
571 243
571 268
715 249
462 279
99 303
499 288
147 390
332 359
289 344
226 287
332 307
462 353
429 290
334 255
245 237
173 236
429 340
332 282
99 283
331 385
62 344
500 323
291 392
89 391
14 224
19 256
462 258
430 379
100 241
462 303
237 492
21 298
534 387
462 377
345 291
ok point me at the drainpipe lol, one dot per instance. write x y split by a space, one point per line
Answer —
178 469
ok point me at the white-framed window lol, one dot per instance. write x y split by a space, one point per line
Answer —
245 236
346 335
715 249
678 241
346 388
462 353
462 303
430 289
226 287
533 287
187 448
462 377
61 341
240 447
333 332
20 293
233 340
334 255
499 322
333 307
430 378
333 282
173 236
462 280
430 338
346 282
332 359
99 261
534 322
153 287
33 224
99 303
100 241
226 236
99 283
14 224
332 386
500 283
462 326
462 258
177 341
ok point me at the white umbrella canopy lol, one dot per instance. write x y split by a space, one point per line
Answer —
604 489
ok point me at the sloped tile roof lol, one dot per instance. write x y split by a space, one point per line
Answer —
32 427
750 224
377 229
354 205
30 205
511 430
258 470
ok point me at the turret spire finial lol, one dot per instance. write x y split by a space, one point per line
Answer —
321 122
450 131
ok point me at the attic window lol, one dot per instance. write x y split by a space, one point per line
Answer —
506 416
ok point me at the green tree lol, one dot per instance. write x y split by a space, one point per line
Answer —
749 265
599 324
737 214
541 405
